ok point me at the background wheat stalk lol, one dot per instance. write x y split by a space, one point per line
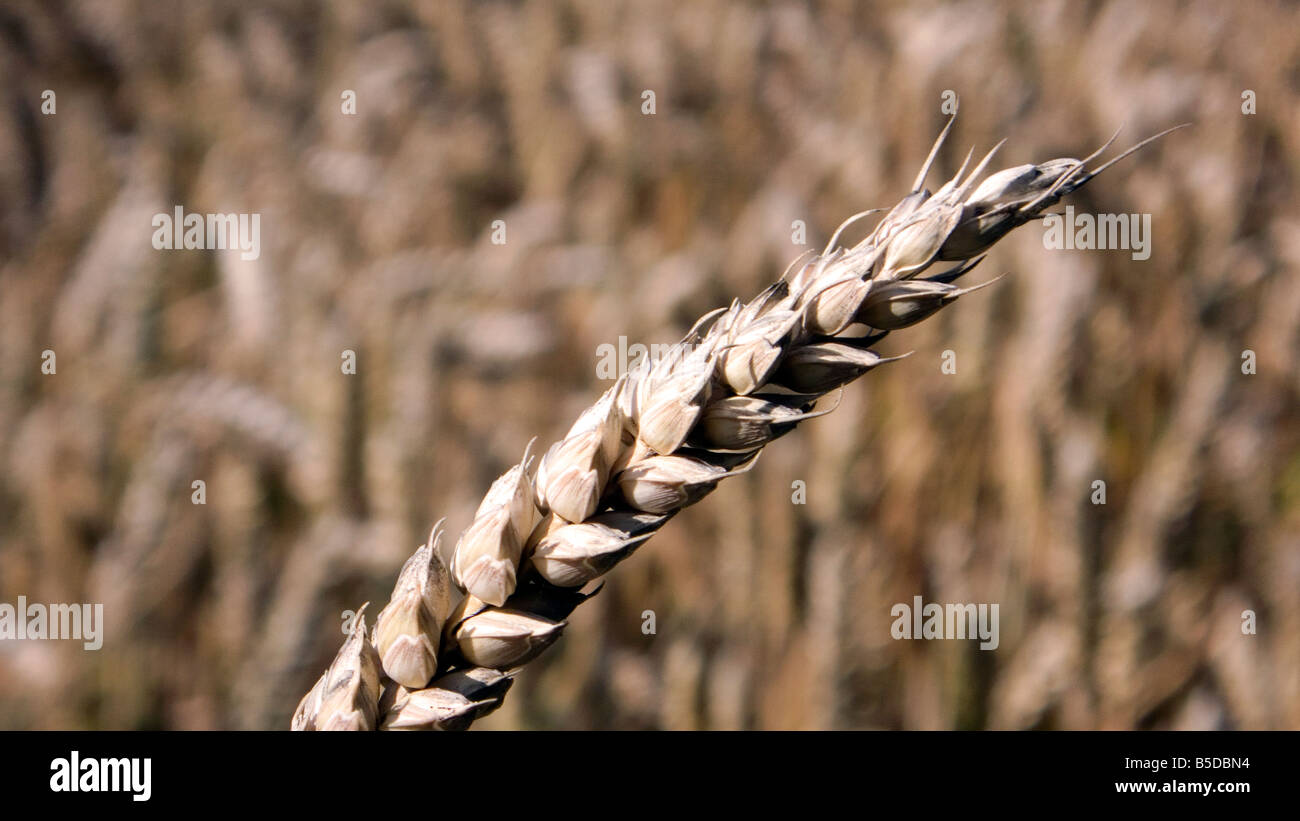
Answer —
659 440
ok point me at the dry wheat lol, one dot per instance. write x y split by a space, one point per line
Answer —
659 440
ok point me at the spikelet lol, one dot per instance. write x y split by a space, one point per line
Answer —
350 695
409 629
304 718
573 473
899 304
671 396
1021 183
916 245
450 703
514 492
753 350
503 638
745 423
666 484
824 366
488 552
998 205
429 709
626 524
832 309
487 557
575 554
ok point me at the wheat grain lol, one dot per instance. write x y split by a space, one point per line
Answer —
663 438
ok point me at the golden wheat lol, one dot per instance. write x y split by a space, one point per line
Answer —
661 439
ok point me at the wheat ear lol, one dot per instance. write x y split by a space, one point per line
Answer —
661 439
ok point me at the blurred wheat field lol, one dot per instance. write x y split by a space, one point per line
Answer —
377 228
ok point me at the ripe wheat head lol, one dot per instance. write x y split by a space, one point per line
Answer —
660 439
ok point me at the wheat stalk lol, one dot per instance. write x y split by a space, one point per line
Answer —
661 439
